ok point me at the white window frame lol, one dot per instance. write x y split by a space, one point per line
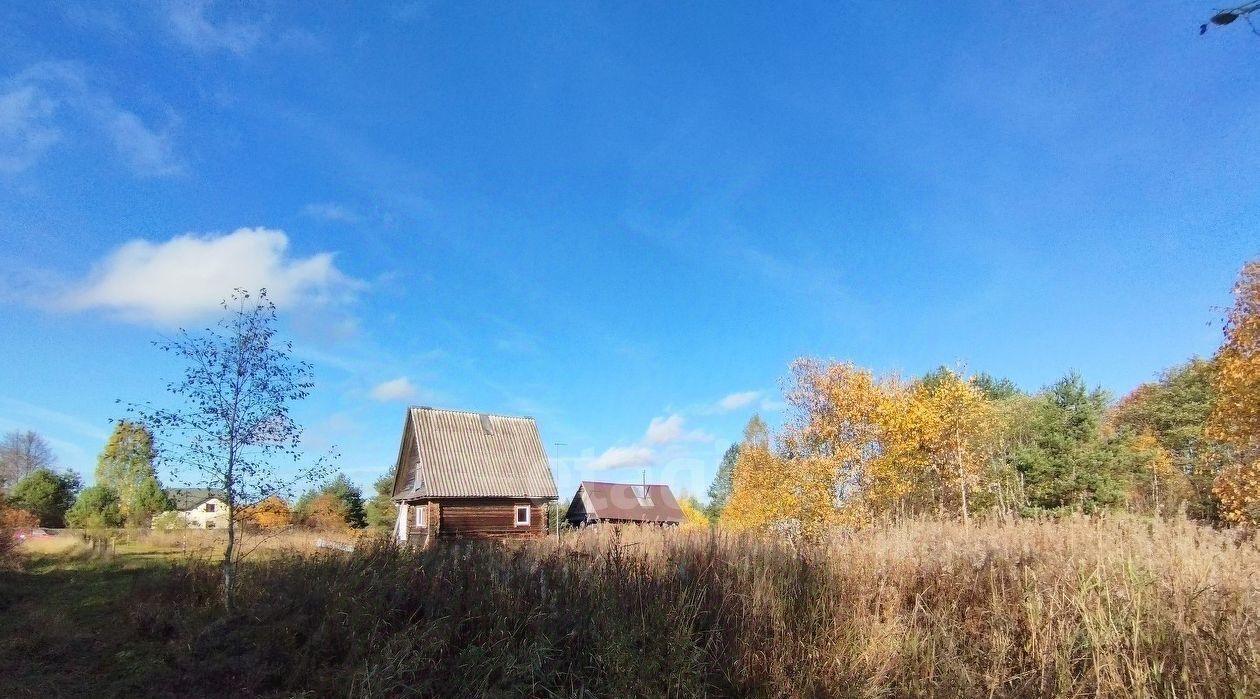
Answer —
516 511
422 515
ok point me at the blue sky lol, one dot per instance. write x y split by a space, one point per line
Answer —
622 220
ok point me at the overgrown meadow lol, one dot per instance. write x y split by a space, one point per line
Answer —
1077 607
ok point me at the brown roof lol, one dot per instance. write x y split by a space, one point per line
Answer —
453 453
624 501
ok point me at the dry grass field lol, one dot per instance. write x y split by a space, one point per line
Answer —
1116 608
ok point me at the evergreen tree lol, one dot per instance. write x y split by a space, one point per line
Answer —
47 495
341 489
351 496
96 508
720 489
993 388
126 467
150 500
1069 464
380 509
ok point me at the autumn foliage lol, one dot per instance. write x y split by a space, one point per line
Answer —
1235 418
861 447
693 514
272 513
326 512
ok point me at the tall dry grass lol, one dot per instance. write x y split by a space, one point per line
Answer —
1112 608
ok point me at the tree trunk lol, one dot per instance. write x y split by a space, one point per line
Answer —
228 564
962 486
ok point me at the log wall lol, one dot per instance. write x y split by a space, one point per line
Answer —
477 518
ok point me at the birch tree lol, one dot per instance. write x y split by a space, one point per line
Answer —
230 427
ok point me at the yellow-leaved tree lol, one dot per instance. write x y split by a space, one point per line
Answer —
1162 487
758 496
1235 418
957 424
272 513
693 514
839 412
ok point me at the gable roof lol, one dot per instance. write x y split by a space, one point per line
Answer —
453 453
623 501
188 498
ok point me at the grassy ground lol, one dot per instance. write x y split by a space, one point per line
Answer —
67 626
62 621
1113 608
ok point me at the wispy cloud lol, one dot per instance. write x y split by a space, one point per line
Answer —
186 277
667 430
773 405
38 105
623 457
516 341
21 412
735 401
26 129
331 211
399 389
190 23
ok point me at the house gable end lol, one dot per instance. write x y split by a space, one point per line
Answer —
408 473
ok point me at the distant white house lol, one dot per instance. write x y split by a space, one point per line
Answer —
200 508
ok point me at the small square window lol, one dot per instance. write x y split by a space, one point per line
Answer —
522 515
209 507
421 515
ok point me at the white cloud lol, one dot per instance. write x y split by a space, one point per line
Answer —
623 457
396 389
37 104
188 22
186 277
735 401
665 430
330 211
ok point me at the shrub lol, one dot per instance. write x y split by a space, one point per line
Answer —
170 520
12 521
96 508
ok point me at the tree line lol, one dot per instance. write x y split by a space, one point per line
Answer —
860 447
128 493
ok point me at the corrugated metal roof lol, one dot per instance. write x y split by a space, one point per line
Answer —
467 454
627 502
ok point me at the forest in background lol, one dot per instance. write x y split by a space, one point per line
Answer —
859 447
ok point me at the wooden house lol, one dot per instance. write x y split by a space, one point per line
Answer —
624 503
465 474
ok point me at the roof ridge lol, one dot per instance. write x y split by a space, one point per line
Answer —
469 412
